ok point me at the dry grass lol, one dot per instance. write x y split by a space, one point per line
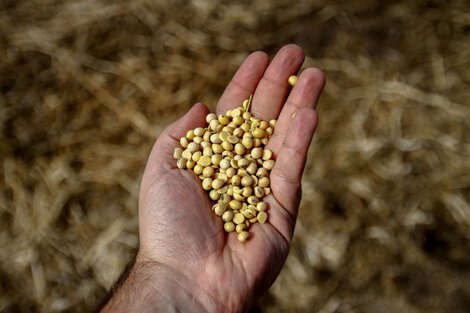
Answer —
87 86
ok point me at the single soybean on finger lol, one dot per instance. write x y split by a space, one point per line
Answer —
292 80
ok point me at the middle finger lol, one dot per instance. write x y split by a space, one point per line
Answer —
273 88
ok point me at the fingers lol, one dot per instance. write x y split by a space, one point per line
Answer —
290 163
273 88
244 82
305 94
161 156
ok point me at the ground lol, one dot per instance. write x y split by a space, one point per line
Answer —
88 85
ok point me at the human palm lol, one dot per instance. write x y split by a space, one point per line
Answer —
178 228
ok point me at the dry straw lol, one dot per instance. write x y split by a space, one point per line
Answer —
87 86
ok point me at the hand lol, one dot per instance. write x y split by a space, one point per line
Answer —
182 242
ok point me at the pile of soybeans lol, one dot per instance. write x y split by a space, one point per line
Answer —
230 159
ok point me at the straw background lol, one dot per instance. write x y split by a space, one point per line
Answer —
87 86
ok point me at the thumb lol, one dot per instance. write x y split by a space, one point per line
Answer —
161 157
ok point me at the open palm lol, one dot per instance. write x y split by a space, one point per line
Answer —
178 228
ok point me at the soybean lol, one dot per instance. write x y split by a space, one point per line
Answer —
230 159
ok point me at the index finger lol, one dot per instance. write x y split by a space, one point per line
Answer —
244 82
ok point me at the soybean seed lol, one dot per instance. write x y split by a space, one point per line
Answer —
220 208
223 119
222 177
198 169
238 197
259 133
234 163
184 142
267 154
205 160
181 163
247 191
227 146
177 153
205 144
243 163
215 138
263 125
198 132
227 154
259 192
229 227
214 124
214 195
248 214
235 205
261 206
239 149
236 180
210 117
262 172
217 183
186 154
238 132
227 216
190 164
224 135
247 181
240 227
247 142
207 151
232 139
196 156
225 163
242 172
253 200
190 134
238 218
222 190
256 153
262 217
225 198
243 236
251 169
207 183
230 127
292 80
268 164
230 172
263 182
238 120
216 148
236 112
208 171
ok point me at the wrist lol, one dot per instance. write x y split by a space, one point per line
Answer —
155 287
